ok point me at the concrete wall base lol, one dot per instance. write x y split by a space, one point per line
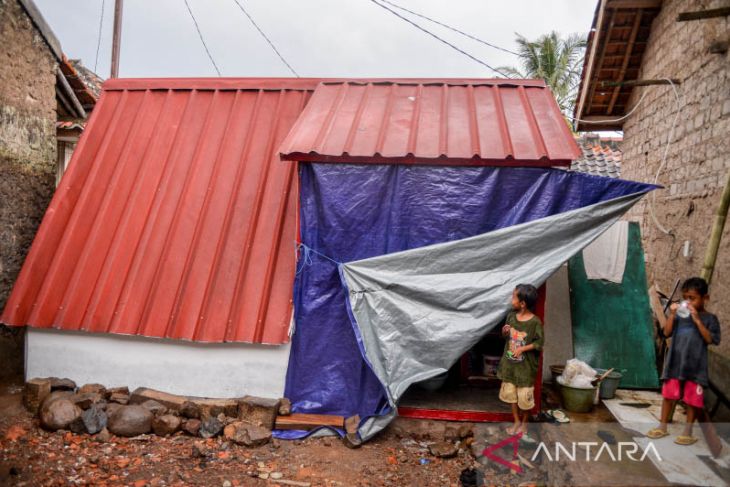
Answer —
178 367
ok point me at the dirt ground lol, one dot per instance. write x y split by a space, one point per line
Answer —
32 456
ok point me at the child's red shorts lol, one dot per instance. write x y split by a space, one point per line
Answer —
693 392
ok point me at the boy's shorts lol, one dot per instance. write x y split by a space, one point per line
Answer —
523 396
693 392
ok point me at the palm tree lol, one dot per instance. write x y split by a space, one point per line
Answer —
554 59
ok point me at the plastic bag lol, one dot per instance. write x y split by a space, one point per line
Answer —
577 374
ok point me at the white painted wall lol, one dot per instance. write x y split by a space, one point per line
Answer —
558 347
179 367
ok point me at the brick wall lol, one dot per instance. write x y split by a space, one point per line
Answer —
699 156
27 153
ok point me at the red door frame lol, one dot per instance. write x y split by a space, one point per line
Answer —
483 416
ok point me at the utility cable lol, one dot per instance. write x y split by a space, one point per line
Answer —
447 26
452 46
266 38
98 39
200 34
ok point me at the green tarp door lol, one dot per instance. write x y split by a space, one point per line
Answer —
612 324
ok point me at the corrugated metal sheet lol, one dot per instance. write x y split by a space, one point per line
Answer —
463 123
175 219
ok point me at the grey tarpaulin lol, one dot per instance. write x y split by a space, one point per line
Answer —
416 312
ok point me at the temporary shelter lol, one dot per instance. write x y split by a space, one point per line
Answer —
419 205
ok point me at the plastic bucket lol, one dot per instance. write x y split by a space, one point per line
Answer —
491 365
609 384
577 400
556 370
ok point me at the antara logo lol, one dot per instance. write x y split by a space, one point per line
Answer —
593 452
624 449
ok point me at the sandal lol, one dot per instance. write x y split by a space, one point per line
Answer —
685 440
656 433
527 439
559 415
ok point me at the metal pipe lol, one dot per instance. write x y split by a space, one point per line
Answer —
717 227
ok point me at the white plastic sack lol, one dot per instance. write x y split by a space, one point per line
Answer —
577 374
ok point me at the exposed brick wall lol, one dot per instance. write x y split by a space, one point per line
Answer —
699 157
27 153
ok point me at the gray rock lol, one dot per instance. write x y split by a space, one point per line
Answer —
190 410
258 411
191 427
58 413
130 421
94 419
166 424
154 407
246 434
210 427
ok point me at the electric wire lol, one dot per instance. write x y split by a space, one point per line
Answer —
447 26
202 40
98 38
266 38
452 46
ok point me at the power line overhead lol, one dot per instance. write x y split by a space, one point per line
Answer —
444 41
200 34
266 38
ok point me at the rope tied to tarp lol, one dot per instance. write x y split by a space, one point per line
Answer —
305 256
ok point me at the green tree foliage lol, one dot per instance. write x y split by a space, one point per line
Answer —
556 60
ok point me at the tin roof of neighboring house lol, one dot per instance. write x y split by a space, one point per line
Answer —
177 218
601 156
459 123
616 45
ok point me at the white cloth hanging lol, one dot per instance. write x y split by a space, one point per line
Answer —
605 257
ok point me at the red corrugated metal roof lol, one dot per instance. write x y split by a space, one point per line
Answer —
175 219
449 122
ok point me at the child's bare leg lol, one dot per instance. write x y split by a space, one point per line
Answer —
691 414
525 415
516 415
667 408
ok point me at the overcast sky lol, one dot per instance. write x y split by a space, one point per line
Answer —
319 38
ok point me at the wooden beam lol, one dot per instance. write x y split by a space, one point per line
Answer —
309 421
590 57
704 14
634 4
641 82
600 60
627 56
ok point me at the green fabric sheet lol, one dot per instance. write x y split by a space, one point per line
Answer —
612 324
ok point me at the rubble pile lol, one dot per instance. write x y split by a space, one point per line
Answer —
96 410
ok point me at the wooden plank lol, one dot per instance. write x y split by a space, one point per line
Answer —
641 82
704 14
627 57
585 84
594 83
298 421
634 4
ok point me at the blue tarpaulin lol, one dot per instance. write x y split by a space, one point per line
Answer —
352 212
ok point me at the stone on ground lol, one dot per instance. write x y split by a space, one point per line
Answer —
284 406
62 384
36 390
210 427
166 424
131 420
443 449
189 409
98 388
87 399
154 407
246 434
58 413
170 401
119 398
258 411
191 427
